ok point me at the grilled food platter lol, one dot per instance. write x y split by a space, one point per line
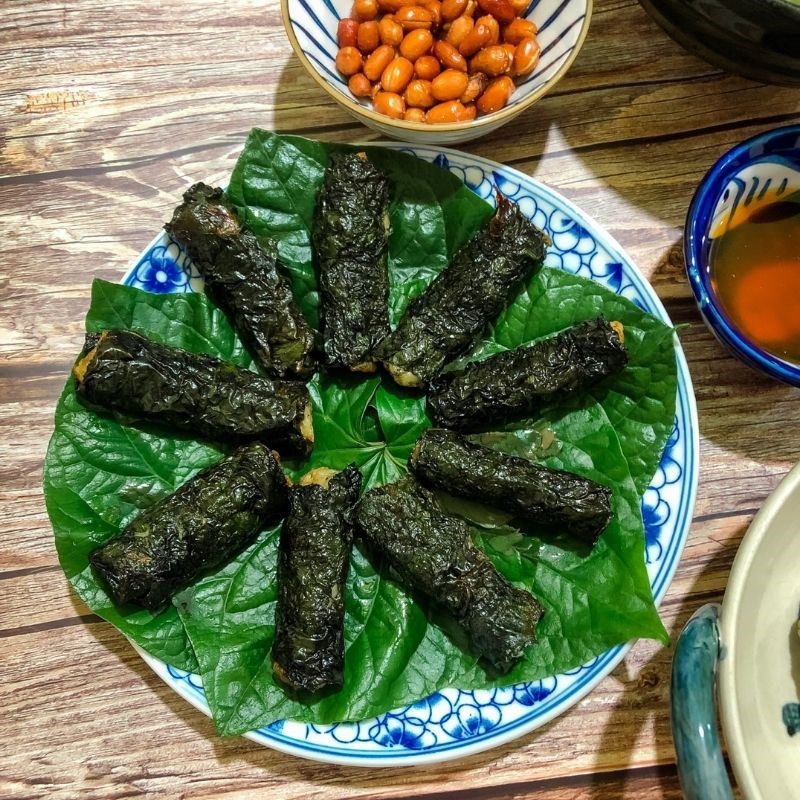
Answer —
381 456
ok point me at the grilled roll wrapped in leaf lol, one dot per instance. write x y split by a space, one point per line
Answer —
313 559
433 554
448 318
126 372
203 525
351 239
245 279
519 382
548 497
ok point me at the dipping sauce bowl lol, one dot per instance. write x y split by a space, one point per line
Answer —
754 184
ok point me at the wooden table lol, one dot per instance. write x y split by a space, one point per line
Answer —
109 111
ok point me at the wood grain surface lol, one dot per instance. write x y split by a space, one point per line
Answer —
107 112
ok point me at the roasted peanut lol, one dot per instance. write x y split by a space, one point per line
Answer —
377 61
349 61
451 111
435 7
390 104
496 95
397 74
414 115
365 9
413 17
450 85
494 28
526 57
416 44
390 30
436 61
453 9
449 56
459 28
477 38
477 83
347 33
427 67
494 61
368 36
394 5
418 94
518 30
501 10
360 85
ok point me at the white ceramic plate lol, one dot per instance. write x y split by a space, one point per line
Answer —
759 669
453 723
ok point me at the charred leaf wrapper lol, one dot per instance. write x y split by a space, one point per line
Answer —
126 372
313 560
519 382
551 498
351 239
433 554
449 317
205 523
244 278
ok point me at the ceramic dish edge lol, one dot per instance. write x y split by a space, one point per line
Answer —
600 667
732 724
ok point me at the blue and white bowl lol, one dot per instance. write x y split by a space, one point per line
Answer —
767 162
311 26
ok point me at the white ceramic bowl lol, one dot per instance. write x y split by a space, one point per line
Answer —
752 645
311 26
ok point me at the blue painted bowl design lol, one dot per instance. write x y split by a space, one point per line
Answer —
769 162
454 723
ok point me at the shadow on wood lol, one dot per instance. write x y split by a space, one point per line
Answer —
654 680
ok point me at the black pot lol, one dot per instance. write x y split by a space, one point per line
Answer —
759 39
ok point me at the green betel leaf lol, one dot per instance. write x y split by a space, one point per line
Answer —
397 652
640 402
432 213
101 471
275 184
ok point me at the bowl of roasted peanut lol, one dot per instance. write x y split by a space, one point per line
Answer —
436 71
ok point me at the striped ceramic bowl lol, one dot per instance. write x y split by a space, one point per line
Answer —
311 25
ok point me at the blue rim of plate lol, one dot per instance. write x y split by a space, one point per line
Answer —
452 723
695 246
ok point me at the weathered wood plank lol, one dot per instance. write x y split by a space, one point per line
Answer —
620 87
109 112
623 724
131 732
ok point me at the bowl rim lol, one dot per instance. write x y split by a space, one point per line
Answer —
731 715
494 119
710 308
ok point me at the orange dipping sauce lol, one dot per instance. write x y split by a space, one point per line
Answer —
755 273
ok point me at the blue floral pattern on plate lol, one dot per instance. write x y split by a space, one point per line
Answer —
455 723
165 268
